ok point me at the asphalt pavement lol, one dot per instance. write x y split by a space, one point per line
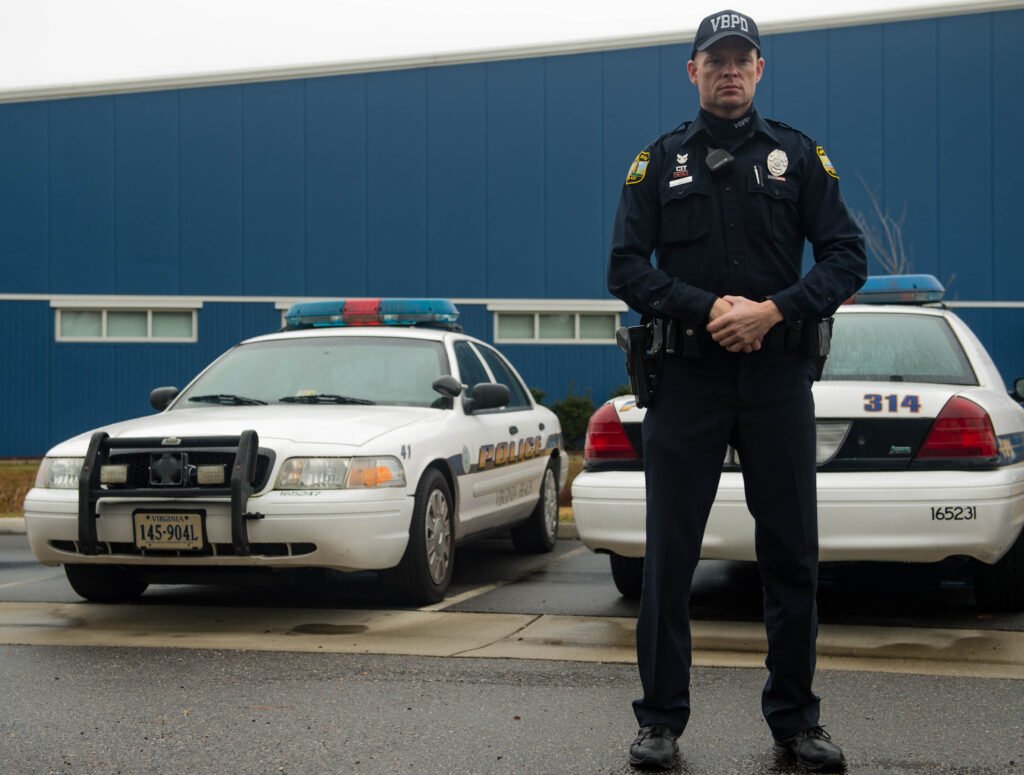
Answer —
129 710
324 674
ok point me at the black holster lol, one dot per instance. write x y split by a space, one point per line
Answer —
816 342
642 359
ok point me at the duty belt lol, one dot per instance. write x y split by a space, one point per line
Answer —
694 341
782 338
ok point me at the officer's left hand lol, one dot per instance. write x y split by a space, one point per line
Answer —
742 327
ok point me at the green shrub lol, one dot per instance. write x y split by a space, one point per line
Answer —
621 390
573 413
538 395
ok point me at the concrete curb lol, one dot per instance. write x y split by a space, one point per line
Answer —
12 526
924 651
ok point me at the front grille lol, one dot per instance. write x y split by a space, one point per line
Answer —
210 550
139 463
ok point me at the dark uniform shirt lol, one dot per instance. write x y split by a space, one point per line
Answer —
740 233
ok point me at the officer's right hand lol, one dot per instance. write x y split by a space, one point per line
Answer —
742 327
719 308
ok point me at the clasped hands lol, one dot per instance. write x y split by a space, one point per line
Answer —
739 324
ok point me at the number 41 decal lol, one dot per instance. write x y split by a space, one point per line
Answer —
876 402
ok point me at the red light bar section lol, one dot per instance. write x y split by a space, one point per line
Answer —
361 312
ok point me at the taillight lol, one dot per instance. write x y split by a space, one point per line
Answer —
962 430
606 438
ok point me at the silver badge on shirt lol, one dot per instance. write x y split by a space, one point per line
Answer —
778 162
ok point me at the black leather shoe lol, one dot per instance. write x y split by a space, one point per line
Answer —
654 748
814 750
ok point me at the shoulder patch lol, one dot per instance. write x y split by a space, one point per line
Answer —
829 167
639 168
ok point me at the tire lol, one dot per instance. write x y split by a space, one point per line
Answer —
1000 587
539 533
105 583
628 574
425 571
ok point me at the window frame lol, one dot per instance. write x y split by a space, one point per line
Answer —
104 307
480 348
537 308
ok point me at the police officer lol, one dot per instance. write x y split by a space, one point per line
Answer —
725 202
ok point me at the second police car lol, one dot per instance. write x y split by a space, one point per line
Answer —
920 453
370 434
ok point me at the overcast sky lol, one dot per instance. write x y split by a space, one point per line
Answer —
90 45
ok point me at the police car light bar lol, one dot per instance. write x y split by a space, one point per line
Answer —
439 313
899 289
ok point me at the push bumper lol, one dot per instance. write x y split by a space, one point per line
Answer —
344 530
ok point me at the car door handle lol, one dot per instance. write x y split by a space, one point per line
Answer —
513 430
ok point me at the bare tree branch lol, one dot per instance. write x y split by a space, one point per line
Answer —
883 235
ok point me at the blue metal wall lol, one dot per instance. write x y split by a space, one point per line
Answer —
491 180
53 390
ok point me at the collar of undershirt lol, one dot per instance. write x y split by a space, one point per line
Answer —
730 132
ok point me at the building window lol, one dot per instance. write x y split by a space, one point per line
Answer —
555 327
125 325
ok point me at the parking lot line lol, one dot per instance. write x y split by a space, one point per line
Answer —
33 580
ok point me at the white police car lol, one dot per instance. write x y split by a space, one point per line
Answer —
370 434
920 453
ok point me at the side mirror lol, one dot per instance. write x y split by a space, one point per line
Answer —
1018 389
161 397
486 395
447 386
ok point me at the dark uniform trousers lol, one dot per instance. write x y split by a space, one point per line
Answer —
761 404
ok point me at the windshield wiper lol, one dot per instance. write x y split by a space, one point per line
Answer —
324 398
228 399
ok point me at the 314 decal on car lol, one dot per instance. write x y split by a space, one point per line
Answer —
876 402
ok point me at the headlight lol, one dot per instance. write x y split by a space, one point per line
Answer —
59 473
336 473
312 473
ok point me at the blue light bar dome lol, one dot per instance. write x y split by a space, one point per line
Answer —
436 313
900 289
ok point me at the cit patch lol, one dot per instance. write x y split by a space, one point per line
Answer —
638 170
829 167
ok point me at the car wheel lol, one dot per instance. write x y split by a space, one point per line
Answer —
105 583
425 571
1000 587
540 532
628 574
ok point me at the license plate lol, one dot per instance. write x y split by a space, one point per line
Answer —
168 530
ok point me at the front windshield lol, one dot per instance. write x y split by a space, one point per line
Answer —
323 370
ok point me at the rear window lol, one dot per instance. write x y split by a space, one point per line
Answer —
897 348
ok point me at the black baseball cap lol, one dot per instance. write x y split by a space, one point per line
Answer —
725 24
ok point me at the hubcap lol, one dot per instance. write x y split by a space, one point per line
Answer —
439 536
550 503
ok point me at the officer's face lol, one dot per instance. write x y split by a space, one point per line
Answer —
726 76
